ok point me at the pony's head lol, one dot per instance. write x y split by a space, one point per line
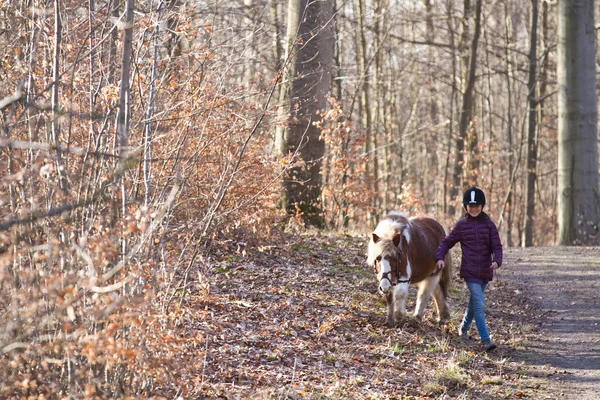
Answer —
385 253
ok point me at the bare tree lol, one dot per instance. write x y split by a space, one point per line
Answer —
314 62
62 180
123 113
578 197
288 71
466 112
531 153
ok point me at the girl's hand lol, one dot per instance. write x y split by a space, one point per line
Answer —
440 265
494 265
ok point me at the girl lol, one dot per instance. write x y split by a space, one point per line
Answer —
481 255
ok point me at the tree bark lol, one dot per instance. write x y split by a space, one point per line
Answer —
364 109
510 79
60 169
531 153
148 125
314 62
578 197
124 109
288 71
466 110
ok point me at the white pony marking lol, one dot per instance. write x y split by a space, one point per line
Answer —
385 284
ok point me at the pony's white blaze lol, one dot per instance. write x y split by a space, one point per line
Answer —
384 284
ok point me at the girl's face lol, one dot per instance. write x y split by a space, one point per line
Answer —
474 210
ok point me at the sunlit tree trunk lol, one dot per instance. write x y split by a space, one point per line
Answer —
578 197
62 180
364 110
531 151
250 52
287 76
508 210
148 125
449 208
112 43
466 112
278 51
314 62
378 133
123 113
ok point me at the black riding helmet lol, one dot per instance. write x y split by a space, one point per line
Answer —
473 196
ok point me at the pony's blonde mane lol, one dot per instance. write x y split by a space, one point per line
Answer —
395 222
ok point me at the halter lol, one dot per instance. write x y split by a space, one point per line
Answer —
386 275
389 275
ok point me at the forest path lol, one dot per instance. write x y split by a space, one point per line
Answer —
564 283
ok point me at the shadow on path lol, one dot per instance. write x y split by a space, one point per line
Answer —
564 282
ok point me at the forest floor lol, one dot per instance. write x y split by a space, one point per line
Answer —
302 319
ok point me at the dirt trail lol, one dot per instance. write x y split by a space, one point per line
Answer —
564 282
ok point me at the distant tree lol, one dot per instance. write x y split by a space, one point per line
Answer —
287 71
531 153
124 111
578 197
466 114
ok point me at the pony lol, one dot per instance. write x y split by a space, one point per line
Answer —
401 250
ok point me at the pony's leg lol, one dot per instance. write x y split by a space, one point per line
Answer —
426 288
400 296
389 297
441 305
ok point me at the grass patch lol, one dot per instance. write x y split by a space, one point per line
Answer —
491 380
397 349
464 358
452 377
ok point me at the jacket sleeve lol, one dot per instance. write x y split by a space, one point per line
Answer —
448 242
496 244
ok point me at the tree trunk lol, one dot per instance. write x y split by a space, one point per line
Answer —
250 53
288 73
510 79
60 169
123 113
578 197
148 125
112 43
467 108
449 208
377 131
365 102
314 62
278 51
531 153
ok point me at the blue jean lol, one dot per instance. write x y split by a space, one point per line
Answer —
475 310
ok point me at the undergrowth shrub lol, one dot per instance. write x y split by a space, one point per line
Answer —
100 245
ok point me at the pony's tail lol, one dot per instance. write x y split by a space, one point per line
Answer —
446 278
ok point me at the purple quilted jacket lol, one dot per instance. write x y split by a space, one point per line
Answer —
480 245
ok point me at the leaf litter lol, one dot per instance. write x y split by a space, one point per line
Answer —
302 319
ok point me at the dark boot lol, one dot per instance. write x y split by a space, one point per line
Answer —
488 345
